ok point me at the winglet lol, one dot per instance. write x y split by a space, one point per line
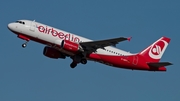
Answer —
129 38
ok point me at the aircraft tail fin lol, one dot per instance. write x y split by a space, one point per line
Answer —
154 52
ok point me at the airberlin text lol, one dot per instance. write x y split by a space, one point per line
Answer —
59 34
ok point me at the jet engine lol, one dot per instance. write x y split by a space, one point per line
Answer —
71 46
53 53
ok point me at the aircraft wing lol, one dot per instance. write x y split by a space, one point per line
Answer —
92 46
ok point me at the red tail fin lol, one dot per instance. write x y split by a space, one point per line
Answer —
154 52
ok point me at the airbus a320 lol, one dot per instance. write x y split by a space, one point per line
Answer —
62 44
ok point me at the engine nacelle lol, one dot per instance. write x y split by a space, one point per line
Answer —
71 46
53 53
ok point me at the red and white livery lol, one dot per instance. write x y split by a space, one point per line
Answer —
62 44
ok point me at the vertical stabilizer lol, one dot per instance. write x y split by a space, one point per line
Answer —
154 52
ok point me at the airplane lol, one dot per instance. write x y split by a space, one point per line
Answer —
62 44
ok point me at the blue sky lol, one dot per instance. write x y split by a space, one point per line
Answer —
27 75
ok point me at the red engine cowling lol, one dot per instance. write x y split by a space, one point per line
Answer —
71 46
53 53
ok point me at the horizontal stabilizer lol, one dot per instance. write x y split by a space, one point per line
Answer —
159 64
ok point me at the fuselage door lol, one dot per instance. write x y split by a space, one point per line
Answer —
135 60
33 26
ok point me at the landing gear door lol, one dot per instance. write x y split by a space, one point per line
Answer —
33 26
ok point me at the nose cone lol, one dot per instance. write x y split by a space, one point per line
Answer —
10 26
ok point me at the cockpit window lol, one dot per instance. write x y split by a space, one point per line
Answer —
21 22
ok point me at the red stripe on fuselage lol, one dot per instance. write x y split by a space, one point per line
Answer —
126 62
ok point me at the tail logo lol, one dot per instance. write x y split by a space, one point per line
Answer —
157 49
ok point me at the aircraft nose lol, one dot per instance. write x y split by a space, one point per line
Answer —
10 26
